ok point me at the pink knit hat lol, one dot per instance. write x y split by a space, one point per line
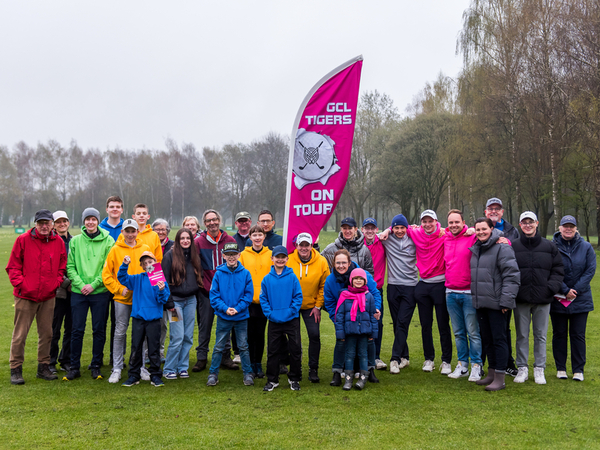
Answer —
358 273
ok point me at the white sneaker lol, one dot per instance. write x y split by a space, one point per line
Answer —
394 367
562 375
445 368
578 376
475 372
522 375
237 359
538 375
459 372
403 363
144 374
380 365
428 366
115 376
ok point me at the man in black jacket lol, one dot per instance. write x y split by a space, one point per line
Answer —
542 274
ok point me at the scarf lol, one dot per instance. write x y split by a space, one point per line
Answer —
357 295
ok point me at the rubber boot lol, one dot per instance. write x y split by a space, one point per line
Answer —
337 379
360 384
348 383
488 379
498 383
371 375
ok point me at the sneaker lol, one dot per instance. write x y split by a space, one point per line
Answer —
115 376
562 375
270 386
294 385
512 372
130 382
446 368
578 376
96 374
184 374
213 379
428 366
538 375
144 374
476 372
156 381
248 379
16 375
380 365
459 372
403 363
44 373
522 375
171 376
237 359
72 374
394 367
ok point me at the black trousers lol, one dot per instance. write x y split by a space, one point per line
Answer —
380 329
62 314
276 334
511 361
205 318
314 341
492 326
257 324
572 327
140 330
429 296
401 303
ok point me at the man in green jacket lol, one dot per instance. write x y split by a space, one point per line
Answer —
87 255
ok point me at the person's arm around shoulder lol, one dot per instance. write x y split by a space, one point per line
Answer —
511 276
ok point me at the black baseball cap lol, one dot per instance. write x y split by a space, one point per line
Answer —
349 221
43 214
231 247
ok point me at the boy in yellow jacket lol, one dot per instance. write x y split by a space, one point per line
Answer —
146 235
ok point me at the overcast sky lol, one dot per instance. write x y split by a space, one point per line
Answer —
133 73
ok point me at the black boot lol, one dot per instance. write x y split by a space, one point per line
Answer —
45 374
348 383
16 375
360 384
337 379
227 363
199 366
313 376
372 377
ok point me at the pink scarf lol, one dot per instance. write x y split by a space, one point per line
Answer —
358 297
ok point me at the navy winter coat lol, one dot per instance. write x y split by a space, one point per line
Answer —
365 323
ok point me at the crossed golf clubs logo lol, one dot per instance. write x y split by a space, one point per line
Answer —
311 156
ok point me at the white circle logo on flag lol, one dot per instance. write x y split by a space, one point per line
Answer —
313 155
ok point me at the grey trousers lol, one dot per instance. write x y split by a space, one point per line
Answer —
122 314
538 315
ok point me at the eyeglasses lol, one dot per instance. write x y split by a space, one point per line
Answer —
527 224
494 209
215 220
266 222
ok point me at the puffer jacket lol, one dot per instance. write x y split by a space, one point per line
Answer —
579 260
495 276
541 269
359 252
365 323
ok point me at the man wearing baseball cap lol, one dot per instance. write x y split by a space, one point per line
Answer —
243 223
352 239
494 211
36 268
542 274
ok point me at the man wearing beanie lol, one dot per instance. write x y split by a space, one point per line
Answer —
402 279
87 255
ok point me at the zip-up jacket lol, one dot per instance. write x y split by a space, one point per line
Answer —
231 290
312 276
86 260
210 254
148 300
365 322
458 259
259 265
359 253
281 296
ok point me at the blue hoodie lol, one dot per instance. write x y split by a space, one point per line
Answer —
333 288
281 295
147 299
231 290
113 231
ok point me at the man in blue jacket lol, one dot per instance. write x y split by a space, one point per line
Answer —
230 295
281 299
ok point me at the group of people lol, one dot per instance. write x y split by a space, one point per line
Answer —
472 278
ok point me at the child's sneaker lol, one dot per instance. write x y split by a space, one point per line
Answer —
213 380
446 368
248 379
460 371
270 386
184 374
130 382
144 374
428 366
115 376
380 365
294 385
156 381
171 376
394 367
96 374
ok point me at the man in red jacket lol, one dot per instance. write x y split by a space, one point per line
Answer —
36 268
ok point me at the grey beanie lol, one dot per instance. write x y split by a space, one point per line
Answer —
87 212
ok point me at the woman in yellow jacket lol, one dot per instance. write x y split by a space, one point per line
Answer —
257 260
312 270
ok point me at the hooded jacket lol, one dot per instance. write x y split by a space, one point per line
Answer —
457 258
541 268
579 260
148 300
365 322
231 290
189 286
114 261
401 256
378 256
495 276
86 260
359 253
62 291
259 265
271 241
281 296
312 276
430 251
210 254
37 266
114 232
151 239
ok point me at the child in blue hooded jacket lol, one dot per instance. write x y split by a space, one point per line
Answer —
230 295
146 315
281 299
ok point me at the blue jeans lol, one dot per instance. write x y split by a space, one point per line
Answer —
339 355
356 344
224 327
181 336
464 323
98 305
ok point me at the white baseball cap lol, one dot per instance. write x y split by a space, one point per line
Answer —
60 215
304 237
429 213
528 215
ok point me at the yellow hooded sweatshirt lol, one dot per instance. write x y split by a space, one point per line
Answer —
114 261
151 239
312 277
259 265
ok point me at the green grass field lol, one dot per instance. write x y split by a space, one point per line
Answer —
410 410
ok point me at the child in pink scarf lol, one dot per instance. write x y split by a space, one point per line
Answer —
355 324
